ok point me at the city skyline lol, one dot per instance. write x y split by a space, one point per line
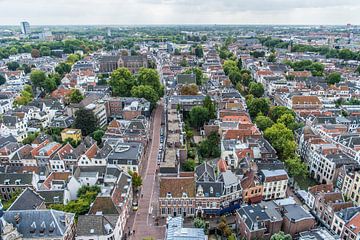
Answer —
138 12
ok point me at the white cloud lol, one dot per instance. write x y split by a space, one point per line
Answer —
180 11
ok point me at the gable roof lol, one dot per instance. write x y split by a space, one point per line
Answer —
27 200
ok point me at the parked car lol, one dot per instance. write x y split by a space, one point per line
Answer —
135 206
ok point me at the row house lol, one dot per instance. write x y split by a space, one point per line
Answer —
343 220
178 201
261 221
14 125
275 183
351 184
11 183
327 203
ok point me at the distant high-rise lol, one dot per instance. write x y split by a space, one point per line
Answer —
25 28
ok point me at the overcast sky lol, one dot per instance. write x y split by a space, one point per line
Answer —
63 12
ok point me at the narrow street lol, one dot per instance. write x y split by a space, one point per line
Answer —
142 221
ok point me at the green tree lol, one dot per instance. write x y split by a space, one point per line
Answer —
239 64
75 96
210 106
333 78
12 66
271 58
97 136
198 115
282 139
26 68
281 236
136 179
296 167
263 122
85 189
235 76
210 147
72 58
189 165
38 78
229 65
121 82
289 121
45 51
63 68
147 92
30 138
25 97
150 77
256 89
257 106
199 223
199 51
2 79
86 121
277 111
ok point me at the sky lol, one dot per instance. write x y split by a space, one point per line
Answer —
126 12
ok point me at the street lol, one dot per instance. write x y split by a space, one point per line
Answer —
143 220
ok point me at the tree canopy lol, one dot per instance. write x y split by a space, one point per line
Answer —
86 121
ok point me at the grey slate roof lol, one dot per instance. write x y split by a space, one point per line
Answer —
96 225
27 200
296 213
53 222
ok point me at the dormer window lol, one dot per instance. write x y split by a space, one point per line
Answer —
211 190
56 199
184 195
7 181
168 195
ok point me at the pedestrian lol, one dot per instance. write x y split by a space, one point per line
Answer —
142 195
134 232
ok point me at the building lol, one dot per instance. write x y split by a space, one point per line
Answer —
179 200
133 63
25 28
37 224
176 231
275 183
297 219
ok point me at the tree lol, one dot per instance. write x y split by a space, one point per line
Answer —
277 111
333 78
26 68
235 76
199 51
257 106
289 121
150 77
282 139
86 121
25 97
38 78
210 106
13 66
72 58
198 74
63 68
198 115
184 63
45 51
296 167
97 136
210 147
35 53
239 64
2 79
30 138
229 65
121 82
189 165
147 92
136 179
263 122
85 189
281 236
256 89
189 89
199 223
75 96
271 58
